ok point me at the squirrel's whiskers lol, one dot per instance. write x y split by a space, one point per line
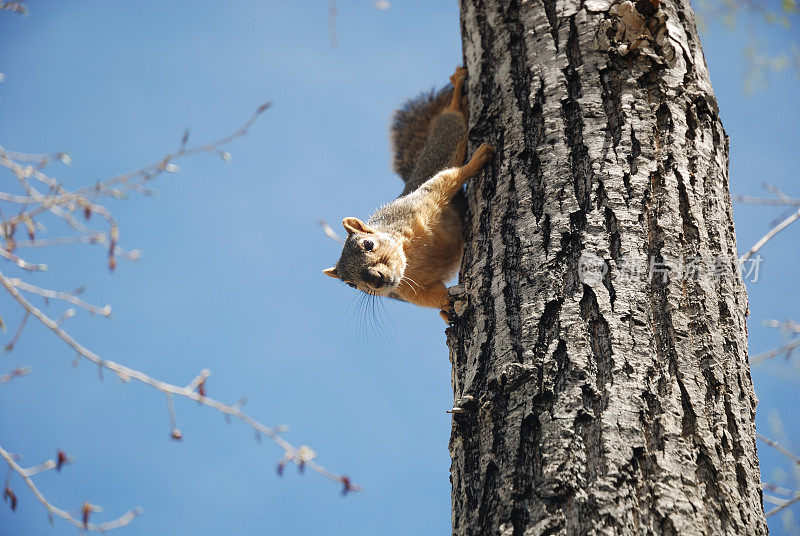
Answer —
411 283
367 313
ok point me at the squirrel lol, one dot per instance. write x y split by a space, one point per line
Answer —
409 248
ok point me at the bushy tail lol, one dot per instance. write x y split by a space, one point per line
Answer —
410 128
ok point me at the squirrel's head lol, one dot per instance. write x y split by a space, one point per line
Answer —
371 260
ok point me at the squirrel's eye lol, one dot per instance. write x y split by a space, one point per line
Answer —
351 285
368 245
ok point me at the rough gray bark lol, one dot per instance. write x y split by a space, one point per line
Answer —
617 402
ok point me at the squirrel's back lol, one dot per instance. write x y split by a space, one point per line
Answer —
415 159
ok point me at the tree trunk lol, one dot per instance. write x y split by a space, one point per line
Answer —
601 386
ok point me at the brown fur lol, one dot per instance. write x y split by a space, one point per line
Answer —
411 127
412 246
435 242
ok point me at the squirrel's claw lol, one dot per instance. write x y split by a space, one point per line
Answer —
484 153
448 314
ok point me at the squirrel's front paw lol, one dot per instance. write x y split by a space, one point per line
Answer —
447 317
448 314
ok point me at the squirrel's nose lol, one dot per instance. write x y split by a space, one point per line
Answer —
375 278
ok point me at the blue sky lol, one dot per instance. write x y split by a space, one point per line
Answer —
230 277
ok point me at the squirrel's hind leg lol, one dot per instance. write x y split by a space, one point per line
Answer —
445 184
456 103
480 157
456 106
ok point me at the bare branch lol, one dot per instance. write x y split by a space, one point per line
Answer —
26 474
126 374
330 233
10 346
22 263
784 505
767 237
61 460
64 296
776 352
778 489
13 5
40 159
42 196
749 200
16 373
62 203
788 325
774 444
774 500
150 171
59 241
19 199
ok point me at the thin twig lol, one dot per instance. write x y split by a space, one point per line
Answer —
330 233
13 5
787 504
80 198
794 458
750 200
10 345
53 510
19 199
774 500
16 373
776 352
156 168
59 241
774 444
767 237
22 263
64 296
778 489
788 325
38 158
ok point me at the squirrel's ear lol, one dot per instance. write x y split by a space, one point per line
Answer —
331 272
354 225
